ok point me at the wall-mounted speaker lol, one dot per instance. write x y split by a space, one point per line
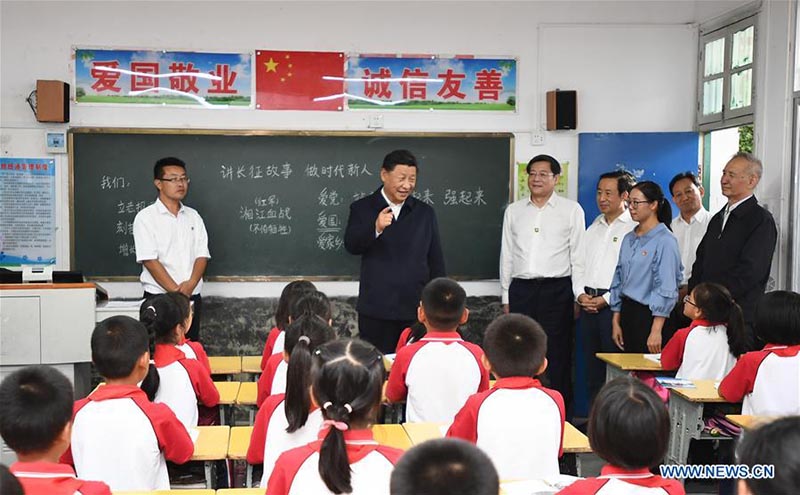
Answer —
562 110
52 101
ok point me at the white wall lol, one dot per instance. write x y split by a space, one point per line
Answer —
633 64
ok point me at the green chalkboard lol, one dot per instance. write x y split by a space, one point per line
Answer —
276 204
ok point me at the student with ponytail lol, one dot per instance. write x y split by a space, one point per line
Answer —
273 379
645 285
293 291
348 377
183 382
708 348
289 420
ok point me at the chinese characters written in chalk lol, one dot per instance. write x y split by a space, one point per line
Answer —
266 216
243 172
329 226
340 170
463 197
126 211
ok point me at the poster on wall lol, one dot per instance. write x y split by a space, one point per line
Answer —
140 77
27 211
432 83
653 156
299 80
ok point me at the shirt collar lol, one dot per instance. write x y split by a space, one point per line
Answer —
166 354
610 471
437 336
43 467
388 202
117 392
516 382
353 437
703 323
736 204
657 230
551 201
162 208
697 217
625 217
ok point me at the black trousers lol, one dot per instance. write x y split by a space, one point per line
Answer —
636 321
194 331
549 301
596 338
383 334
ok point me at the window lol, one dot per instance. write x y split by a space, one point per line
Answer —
726 75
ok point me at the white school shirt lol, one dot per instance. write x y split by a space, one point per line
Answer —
175 241
701 350
519 424
176 391
600 253
541 242
767 381
689 236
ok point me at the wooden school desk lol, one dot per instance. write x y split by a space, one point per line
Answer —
747 421
211 445
225 365
251 364
241 491
228 391
248 394
574 442
202 491
686 417
390 435
619 364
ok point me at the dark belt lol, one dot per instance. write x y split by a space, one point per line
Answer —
591 291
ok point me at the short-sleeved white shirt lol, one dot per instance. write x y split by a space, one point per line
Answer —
175 241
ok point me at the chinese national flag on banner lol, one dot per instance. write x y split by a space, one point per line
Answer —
293 80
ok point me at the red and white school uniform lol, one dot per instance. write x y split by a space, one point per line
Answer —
619 481
768 380
699 352
273 345
195 350
273 380
437 374
123 439
403 340
49 478
270 439
182 383
519 424
297 471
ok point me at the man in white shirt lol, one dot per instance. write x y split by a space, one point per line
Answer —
689 228
600 252
171 240
540 250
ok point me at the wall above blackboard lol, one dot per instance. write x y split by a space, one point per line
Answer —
275 204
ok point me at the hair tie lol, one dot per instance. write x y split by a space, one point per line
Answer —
348 407
304 338
339 425
318 352
153 308
327 405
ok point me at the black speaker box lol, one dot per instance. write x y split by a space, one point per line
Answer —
562 110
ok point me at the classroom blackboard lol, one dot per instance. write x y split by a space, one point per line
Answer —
276 204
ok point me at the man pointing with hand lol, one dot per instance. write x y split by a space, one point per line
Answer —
397 237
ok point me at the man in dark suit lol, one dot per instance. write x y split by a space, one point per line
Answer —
397 237
738 246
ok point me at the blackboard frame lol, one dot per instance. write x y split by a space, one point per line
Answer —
243 132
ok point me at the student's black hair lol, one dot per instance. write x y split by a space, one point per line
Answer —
444 466
717 305
117 343
683 175
36 407
418 331
289 295
555 167
348 379
629 424
777 319
515 345
776 444
162 313
443 301
312 303
652 192
399 157
158 168
9 484
625 180
303 336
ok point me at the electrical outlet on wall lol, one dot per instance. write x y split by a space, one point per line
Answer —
537 138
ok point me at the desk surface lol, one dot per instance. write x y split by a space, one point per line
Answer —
203 491
705 391
251 364
248 392
225 365
575 442
241 491
239 442
629 362
228 391
212 443
747 421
